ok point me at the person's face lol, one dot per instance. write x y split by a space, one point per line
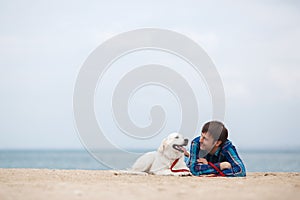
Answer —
207 142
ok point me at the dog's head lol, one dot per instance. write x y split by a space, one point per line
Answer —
172 145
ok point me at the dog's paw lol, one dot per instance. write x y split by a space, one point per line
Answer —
183 174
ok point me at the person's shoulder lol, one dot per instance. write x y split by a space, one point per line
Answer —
228 144
196 139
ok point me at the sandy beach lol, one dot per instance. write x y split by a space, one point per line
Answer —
91 184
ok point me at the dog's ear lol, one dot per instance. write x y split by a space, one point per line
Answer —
162 145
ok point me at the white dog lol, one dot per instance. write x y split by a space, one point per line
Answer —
167 160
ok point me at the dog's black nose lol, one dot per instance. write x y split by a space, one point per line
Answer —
186 141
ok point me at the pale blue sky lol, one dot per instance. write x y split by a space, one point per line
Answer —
255 46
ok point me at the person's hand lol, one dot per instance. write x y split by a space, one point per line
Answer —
225 165
202 160
185 152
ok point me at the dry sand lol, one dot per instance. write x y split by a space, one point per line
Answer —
83 184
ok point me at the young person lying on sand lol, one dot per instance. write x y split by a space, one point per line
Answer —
213 153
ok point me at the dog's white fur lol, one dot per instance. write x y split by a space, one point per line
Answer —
159 162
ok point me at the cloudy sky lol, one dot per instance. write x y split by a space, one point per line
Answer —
254 45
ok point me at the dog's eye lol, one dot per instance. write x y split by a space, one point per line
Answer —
176 137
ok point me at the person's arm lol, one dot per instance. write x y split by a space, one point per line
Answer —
186 155
234 166
222 165
185 152
237 166
196 167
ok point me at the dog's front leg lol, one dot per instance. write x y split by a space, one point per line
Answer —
165 172
168 172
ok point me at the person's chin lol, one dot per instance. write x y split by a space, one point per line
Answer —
202 153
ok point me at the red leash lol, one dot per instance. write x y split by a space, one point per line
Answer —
216 168
186 170
177 170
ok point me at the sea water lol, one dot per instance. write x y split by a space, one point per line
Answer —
255 161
